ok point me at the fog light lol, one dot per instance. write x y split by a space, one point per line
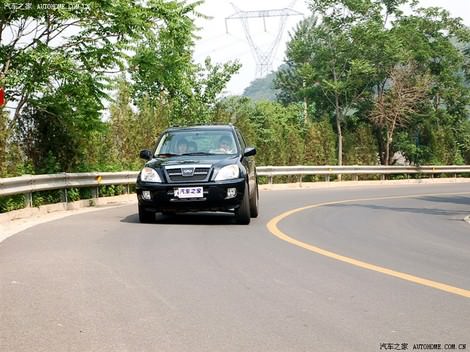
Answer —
231 192
146 195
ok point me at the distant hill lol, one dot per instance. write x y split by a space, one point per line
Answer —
261 88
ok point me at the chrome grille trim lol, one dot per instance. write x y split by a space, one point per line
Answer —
174 173
179 166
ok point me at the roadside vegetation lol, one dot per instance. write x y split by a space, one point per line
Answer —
87 86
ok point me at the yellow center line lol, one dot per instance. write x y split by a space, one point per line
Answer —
273 228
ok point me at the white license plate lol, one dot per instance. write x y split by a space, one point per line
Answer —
188 192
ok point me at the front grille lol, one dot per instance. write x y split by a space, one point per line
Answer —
199 174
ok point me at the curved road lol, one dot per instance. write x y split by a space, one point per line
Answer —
361 269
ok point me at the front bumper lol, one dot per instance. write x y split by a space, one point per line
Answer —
214 198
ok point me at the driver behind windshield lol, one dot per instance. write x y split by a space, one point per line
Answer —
192 147
182 147
226 145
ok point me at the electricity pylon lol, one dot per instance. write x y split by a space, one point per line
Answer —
263 57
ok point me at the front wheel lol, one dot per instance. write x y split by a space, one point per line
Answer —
146 216
242 214
254 203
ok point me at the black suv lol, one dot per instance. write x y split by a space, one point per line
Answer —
199 168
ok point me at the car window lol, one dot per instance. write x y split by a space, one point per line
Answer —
242 140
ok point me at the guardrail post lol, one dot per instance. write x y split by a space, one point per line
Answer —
64 193
127 189
63 196
355 177
95 191
300 180
327 178
28 197
382 177
270 179
28 200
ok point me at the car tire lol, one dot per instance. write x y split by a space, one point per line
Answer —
254 203
242 214
145 216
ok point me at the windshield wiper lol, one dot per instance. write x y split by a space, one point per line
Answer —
198 153
167 155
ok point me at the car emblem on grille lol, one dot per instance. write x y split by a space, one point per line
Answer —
187 171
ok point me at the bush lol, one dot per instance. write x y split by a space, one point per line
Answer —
10 203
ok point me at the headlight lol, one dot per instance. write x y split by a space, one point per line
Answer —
149 175
227 173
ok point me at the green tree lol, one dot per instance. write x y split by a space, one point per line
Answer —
437 42
133 127
320 144
4 137
164 73
190 90
360 146
275 130
341 63
324 63
44 48
57 63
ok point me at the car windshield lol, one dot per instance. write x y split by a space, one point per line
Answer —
175 143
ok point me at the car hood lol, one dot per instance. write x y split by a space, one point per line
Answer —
213 160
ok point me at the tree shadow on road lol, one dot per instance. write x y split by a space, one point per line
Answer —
460 200
463 200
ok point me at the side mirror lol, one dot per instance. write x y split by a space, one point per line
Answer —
145 154
249 151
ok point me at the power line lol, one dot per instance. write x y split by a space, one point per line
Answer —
263 57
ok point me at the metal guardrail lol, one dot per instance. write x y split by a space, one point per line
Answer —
28 184
327 171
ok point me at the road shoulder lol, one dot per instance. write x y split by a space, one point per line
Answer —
22 219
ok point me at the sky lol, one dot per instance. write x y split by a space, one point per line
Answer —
223 46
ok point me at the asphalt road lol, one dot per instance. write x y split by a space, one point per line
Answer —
101 281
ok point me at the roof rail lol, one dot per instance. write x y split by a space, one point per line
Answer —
202 124
212 124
